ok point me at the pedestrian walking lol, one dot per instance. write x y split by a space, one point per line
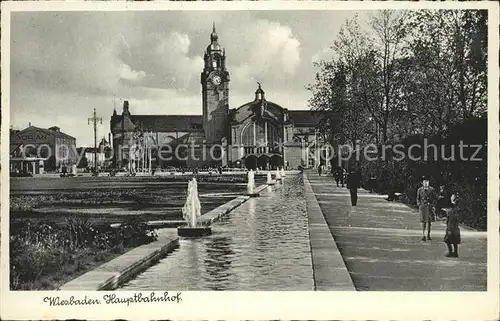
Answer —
320 167
353 180
426 202
372 183
452 236
344 176
338 176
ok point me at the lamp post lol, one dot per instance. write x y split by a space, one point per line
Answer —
94 120
154 141
143 169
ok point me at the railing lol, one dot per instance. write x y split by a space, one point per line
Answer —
261 150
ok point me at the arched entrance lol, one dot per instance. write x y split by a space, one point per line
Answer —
251 162
275 161
263 161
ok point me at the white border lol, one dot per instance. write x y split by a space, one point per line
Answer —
268 305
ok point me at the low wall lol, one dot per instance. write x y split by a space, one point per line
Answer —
137 267
215 214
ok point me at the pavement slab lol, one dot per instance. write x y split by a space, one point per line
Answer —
380 242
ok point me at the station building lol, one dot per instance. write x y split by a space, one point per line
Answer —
259 134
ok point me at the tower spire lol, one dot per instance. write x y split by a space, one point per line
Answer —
114 105
214 36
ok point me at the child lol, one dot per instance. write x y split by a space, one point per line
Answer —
452 236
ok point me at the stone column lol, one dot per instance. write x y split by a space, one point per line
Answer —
284 141
265 134
254 136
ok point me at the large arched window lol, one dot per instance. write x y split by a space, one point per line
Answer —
254 134
247 136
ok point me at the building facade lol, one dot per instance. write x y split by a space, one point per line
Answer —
37 150
259 134
88 156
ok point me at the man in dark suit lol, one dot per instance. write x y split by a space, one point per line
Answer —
353 181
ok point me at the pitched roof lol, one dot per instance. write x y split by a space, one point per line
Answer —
196 138
46 131
306 118
166 123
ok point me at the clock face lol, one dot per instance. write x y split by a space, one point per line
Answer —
216 80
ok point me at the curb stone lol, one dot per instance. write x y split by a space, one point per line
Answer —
329 269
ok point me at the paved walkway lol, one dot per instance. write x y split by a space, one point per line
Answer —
380 242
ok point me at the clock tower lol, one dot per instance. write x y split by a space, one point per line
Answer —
215 90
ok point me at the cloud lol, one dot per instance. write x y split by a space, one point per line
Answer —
66 63
166 60
272 51
131 75
325 53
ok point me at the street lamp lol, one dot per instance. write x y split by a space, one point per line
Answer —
95 120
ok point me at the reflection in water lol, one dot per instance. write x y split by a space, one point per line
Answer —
262 245
193 258
251 209
218 262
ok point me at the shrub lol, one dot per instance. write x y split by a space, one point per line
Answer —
472 205
44 248
134 232
467 177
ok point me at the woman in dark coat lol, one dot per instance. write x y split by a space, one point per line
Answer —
452 235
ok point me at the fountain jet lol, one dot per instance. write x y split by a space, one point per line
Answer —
191 212
251 184
283 172
269 178
278 175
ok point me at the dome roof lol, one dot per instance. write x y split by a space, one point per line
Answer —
214 36
263 108
214 46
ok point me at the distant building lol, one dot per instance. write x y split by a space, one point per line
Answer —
87 156
258 134
37 150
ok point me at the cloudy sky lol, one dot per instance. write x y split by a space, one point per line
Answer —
63 64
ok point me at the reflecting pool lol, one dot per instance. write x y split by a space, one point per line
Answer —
261 245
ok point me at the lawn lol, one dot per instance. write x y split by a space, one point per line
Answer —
111 200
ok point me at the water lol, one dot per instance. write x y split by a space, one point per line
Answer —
261 245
